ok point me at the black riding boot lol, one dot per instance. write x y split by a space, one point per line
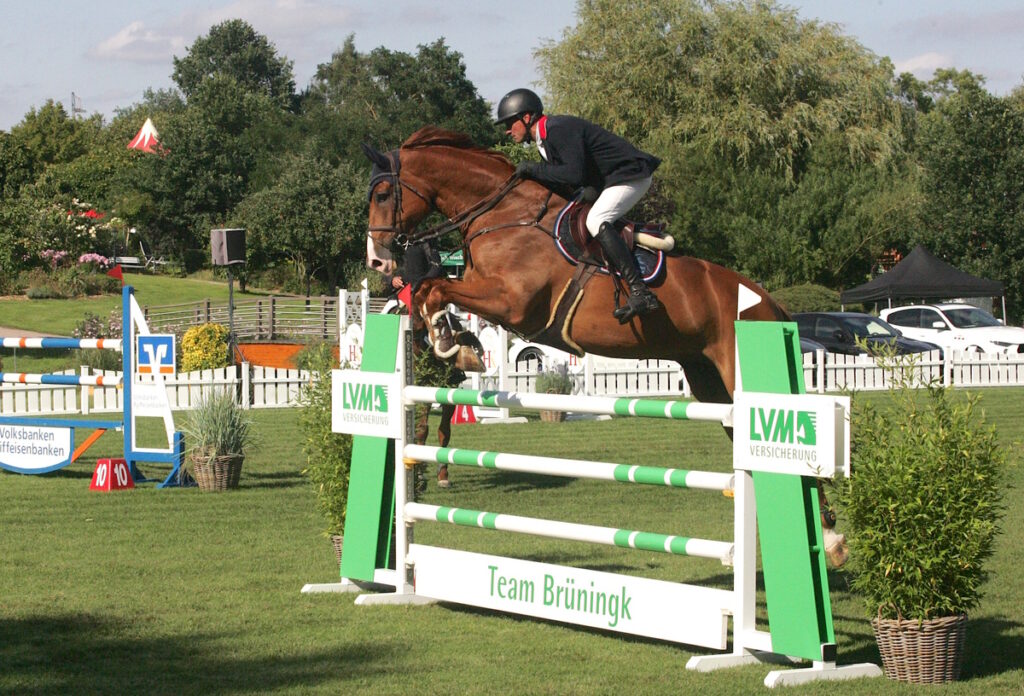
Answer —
641 300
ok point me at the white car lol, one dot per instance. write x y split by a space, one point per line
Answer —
527 355
958 327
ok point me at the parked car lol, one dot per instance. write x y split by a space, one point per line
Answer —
957 327
528 355
809 345
838 332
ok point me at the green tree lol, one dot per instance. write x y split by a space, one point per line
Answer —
384 96
743 101
314 216
238 92
971 149
234 49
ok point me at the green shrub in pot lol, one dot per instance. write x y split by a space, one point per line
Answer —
923 505
328 454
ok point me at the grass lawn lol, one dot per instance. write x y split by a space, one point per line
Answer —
60 317
182 592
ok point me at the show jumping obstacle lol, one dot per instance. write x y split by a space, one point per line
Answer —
39 445
783 440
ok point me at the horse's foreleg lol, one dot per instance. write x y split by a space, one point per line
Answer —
482 298
835 543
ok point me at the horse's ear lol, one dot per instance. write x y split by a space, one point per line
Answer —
377 157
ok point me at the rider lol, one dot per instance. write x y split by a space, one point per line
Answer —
578 153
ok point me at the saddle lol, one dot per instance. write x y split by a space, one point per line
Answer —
647 241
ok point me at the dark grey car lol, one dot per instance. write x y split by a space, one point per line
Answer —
839 331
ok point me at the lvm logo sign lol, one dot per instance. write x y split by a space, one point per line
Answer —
796 434
784 426
366 403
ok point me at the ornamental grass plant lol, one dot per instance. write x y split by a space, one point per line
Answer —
218 426
555 380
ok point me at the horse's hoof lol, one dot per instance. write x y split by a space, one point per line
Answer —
836 550
442 478
444 343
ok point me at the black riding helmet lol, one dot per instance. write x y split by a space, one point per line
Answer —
516 103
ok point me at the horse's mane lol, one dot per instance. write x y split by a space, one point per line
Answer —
431 136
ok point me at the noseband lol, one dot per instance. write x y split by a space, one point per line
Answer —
391 175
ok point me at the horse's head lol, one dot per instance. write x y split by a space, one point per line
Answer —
391 217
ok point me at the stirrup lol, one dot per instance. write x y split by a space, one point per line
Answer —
643 302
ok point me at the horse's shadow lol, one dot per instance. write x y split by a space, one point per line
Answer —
516 482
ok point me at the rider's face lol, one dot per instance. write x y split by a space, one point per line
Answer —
518 129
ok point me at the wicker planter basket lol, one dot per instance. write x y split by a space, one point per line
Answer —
217 473
336 541
552 416
929 653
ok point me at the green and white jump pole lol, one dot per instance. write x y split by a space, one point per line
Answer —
783 441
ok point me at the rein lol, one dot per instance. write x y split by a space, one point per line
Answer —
387 167
465 218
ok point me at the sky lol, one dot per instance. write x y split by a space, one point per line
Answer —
108 53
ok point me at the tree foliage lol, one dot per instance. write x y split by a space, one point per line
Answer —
383 96
233 49
971 150
315 216
758 116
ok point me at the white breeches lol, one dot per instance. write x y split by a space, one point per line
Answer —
614 202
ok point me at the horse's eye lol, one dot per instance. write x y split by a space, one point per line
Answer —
382 197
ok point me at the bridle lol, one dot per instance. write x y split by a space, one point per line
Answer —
456 222
391 174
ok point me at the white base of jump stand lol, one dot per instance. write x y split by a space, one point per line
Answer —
393 598
347 585
821 671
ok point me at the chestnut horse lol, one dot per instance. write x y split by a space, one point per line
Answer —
515 277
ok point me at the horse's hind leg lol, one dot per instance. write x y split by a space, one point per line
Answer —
705 381
444 436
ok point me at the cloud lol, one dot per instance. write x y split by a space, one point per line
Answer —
138 43
923 65
287 23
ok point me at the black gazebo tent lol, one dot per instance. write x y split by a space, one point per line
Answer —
922 276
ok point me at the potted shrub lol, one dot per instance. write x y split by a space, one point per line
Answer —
328 454
217 433
554 381
923 506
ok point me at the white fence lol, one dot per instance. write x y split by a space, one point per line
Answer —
261 387
256 387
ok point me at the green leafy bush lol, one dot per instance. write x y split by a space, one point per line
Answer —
204 347
555 380
924 500
328 454
93 326
807 298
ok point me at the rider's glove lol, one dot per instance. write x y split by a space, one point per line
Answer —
524 170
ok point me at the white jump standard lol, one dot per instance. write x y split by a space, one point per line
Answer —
782 442
30 445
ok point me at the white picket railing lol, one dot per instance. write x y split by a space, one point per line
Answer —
264 387
256 387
